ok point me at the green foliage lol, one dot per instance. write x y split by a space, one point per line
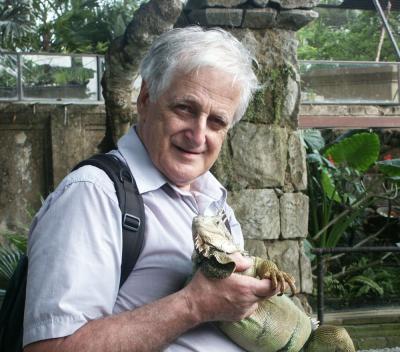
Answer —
46 75
70 25
391 168
371 281
15 21
9 258
340 203
346 35
358 152
337 192
10 253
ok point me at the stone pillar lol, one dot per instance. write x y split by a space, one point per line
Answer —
263 161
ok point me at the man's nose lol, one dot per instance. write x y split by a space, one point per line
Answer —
196 134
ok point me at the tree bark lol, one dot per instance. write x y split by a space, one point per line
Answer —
122 63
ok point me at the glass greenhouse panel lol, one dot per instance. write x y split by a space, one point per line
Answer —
59 77
341 82
8 77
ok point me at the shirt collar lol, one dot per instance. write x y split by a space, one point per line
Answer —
146 175
149 178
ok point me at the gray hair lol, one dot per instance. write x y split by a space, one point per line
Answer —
190 48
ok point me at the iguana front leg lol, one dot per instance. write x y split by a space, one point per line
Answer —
266 269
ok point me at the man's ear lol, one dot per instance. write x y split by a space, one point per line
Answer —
143 98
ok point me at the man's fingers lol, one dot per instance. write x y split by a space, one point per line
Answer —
242 262
264 288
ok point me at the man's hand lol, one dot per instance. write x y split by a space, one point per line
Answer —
230 299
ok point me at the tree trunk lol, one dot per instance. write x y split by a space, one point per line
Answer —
122 63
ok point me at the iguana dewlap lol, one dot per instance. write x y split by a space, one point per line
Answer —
278 324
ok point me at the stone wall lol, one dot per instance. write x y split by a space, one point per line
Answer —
263 161
39 145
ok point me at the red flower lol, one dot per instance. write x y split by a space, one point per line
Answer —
330 158
387 157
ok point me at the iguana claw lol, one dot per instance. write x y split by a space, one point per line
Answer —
268 270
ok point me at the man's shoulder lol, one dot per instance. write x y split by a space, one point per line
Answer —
85 175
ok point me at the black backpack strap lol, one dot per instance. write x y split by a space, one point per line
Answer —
12 309
131 205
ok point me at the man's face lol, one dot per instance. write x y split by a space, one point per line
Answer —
184 129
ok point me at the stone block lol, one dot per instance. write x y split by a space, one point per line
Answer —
223 168
291 100
295 19
255 248
259 155
295 4
294 215
216 17
297 162
285 254
259 18
260 3
257 211
278 99
201 4
306 282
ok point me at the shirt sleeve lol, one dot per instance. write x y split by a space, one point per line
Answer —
74 253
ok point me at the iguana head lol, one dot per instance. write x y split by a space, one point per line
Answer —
212 239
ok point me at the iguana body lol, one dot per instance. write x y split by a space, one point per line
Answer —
278 324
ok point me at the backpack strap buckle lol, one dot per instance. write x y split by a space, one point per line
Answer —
131 222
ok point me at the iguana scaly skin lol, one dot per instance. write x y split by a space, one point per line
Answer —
278 324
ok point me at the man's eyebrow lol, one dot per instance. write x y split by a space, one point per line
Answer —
186 99
190 99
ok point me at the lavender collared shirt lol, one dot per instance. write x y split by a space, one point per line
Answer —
75 247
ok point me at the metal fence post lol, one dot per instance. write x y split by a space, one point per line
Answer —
19 76
320 287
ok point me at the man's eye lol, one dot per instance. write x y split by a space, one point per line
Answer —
183 107
218 122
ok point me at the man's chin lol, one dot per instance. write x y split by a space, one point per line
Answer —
183 179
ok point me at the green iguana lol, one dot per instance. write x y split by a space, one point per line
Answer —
278 324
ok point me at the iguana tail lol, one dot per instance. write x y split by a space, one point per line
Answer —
329 338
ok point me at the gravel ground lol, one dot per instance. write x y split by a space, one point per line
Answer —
394 349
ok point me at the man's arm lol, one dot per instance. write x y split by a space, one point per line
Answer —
154 326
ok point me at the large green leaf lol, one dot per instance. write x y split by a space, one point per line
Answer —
329 186
390 168
313 139
359 151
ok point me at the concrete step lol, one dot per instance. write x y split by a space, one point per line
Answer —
369 328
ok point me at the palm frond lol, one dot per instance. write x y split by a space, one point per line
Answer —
9 258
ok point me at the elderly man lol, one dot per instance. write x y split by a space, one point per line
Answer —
196 85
